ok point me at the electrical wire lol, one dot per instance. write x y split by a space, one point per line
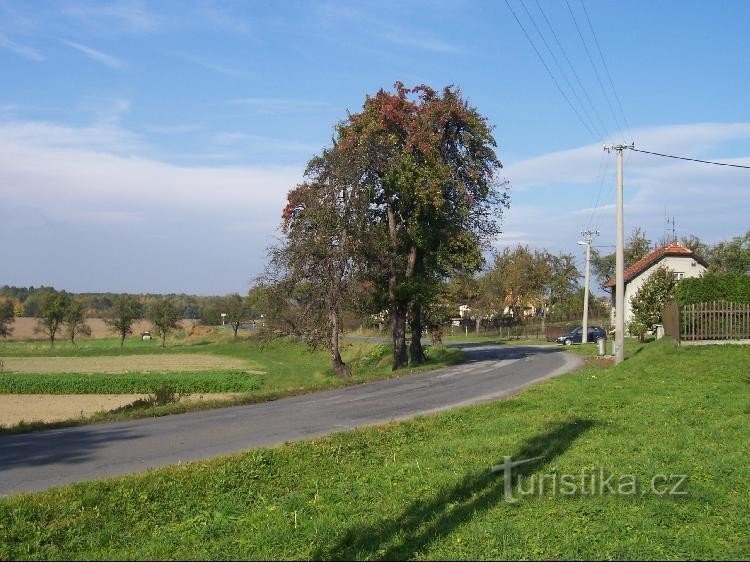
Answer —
572 67
599 133
593 66
541 59
688 159
606 69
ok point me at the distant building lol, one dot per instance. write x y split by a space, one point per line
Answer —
678 258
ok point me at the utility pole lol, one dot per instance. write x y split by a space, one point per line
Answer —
587 236
619 258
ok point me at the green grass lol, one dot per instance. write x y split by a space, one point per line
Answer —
422 489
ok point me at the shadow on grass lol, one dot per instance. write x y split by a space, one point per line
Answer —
425 521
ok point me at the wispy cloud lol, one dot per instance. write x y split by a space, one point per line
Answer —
113 17
419 39
344 14
281 105
21 50
212 65
98 56
259 142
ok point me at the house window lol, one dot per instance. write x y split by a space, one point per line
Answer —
679 275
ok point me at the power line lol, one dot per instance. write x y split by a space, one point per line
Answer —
593 66
606 69
541 59
563 73
572 67
689 159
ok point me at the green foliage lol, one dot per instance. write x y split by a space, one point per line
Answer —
730 287
422 489
75 320
655 292
636 247
126 309
165 317
53 306
6 318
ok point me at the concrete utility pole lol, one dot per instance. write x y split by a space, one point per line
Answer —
619 259
587 235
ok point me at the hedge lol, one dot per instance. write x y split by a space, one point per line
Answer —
731 287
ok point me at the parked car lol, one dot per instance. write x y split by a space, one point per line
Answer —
145 335
576 335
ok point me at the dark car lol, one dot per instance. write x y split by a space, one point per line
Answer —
576 335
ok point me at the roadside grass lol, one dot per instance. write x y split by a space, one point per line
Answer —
288 368
423 489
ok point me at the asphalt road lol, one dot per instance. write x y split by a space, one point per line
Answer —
40 460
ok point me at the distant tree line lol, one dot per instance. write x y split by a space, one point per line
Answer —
27 301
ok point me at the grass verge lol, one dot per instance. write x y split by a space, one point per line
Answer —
423 489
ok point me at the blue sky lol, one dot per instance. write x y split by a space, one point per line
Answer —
148 146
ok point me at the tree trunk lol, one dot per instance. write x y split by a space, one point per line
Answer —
398 331
164 339
397 309
122 339
416 352
339 367
478 323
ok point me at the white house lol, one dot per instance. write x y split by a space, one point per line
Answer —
678 258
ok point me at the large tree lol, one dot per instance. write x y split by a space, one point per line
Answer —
52 308
6 318
428 164
126 309
165 317
312 272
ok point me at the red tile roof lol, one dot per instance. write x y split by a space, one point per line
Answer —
654 257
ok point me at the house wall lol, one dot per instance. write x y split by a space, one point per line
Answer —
687 266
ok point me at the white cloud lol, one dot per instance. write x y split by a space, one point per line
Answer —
80 175
98 56
21 50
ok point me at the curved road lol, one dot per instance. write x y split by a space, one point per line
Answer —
35 461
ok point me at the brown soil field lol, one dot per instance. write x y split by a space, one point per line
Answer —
23 329
126 364
48 407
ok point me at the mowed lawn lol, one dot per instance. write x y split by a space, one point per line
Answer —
423 489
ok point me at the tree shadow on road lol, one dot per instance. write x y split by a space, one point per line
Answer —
69 446
425 521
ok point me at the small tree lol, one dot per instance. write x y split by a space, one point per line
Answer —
125 310
165 317
52 309
75 320
648 301
6 318
237 311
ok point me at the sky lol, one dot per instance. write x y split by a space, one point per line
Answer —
149 146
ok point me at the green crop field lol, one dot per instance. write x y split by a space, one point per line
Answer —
675 422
